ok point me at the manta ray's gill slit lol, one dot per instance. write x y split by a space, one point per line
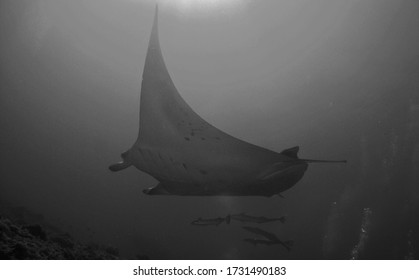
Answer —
163 165
143 154
169 164
151 158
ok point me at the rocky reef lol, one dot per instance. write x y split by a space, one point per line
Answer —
35 242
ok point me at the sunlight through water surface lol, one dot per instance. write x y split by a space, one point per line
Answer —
201 8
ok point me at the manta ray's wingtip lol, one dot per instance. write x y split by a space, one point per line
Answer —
156 13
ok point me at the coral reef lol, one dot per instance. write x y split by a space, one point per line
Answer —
34 242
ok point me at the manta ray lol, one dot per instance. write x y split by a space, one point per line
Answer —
188 156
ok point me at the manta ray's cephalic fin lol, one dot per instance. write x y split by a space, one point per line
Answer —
122 164
119 166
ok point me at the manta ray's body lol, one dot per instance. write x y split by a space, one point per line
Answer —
189 156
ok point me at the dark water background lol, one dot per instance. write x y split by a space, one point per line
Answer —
339 78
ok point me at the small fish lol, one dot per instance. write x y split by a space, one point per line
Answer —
242 217
255 241
209 222
272 238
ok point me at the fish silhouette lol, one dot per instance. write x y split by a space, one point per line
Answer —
210 222
242 217
271 238
255 241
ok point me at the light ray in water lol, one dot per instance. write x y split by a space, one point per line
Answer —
200 8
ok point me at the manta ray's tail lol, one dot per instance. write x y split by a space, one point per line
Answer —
292 152
324 161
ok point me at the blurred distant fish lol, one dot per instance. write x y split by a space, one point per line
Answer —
272 238
189 156
210 222
255 241
268 235
242 217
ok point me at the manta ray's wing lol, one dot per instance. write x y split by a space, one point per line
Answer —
167 121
